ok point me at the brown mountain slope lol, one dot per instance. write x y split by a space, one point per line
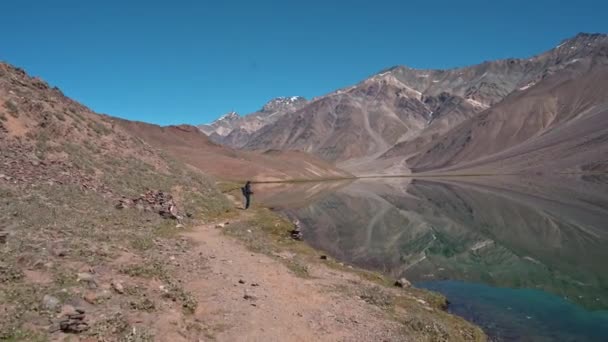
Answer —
559 124
377 125
189 145
355 125
46 137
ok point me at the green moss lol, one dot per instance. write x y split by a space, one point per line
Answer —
148 269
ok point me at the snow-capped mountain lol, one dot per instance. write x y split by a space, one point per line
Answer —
233 130
221 126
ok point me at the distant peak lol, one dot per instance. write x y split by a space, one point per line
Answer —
229 116
584 38
287 99
283 102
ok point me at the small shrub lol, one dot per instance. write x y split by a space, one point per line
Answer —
12 108
177 294
145 304
9 274
59 116
146 270
142 243
98 128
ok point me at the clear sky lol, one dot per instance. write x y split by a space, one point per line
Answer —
171 62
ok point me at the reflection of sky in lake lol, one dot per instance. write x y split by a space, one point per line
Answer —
506 233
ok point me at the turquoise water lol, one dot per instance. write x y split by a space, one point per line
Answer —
522 314
525 259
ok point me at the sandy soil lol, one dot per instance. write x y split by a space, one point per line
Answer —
284 307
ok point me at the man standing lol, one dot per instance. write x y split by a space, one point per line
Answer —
247 193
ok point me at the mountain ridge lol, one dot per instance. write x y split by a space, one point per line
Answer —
377 125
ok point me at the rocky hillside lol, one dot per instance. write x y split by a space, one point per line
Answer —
234 130
86 208
559 123
385 123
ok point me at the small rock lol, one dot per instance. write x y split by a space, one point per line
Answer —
403 283
3 237
241 281
179 226
118 287
104 295
85 277
323 257
90 297
249 296
88 279
50 303
97 297
248 230
220 225
67 310
255 284
163 289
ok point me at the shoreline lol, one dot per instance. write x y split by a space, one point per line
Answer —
419 175
273 239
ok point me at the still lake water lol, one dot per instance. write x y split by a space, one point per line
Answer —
524 258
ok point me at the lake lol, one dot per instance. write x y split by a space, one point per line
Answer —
525 258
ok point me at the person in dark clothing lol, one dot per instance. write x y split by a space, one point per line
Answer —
247 193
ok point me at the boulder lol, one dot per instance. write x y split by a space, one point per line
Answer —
50 303
404 283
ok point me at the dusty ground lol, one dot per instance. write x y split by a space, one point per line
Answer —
284 306
255 288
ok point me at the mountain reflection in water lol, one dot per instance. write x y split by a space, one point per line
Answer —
519 233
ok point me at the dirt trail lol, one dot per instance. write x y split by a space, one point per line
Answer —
282 306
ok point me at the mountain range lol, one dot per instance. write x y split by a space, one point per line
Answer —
546 113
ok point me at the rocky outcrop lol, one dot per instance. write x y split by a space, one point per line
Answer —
155 201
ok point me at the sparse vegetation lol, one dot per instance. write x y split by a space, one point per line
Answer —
98 128
146 269
176 293
144 304
11 108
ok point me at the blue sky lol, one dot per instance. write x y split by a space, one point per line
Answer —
170 62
